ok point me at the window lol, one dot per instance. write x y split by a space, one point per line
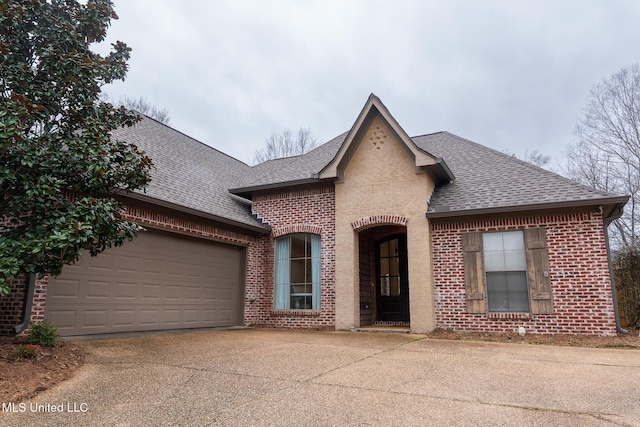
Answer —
297 269
507 272
505 266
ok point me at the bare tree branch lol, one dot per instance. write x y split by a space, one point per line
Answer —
143 106
284 144
607 153
536 158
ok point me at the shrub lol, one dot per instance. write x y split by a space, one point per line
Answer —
44 334
27 351
626 267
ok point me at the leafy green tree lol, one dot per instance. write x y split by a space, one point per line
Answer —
60 171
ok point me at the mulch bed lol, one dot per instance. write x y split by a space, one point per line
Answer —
630 341
23 377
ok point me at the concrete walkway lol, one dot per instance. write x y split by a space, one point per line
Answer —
263 377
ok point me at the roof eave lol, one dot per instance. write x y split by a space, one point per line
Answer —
440 172
608 201
163 203
247 191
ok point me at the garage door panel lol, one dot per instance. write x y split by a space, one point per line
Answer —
96 290
128 264
171 317
191 317
174 268
158 281
173 292
65 320
151 292
149 317
95 318
125 291
225 315
98 263
124 318
66 289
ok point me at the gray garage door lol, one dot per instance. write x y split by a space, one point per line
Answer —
157 281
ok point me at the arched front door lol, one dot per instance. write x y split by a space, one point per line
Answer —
392 285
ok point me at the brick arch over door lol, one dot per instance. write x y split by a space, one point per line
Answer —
376 220
296 228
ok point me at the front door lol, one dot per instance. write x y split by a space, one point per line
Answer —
392 285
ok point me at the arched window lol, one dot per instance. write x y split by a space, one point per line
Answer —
297 267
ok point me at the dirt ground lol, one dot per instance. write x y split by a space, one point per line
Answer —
22 378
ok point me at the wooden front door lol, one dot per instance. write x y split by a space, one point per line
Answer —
392 285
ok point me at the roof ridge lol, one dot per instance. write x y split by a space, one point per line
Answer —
430 134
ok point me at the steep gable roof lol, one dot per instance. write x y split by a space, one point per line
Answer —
375 108
189 174
327 161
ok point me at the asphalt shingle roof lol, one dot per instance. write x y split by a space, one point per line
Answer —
189 173
296 168
489 179
485 179
194 175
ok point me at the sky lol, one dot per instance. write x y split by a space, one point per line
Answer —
511 75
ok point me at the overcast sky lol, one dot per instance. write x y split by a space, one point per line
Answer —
512 75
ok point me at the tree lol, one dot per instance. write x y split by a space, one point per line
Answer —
607 153
626 267
536 158
59 168
607 157
284 144
142 106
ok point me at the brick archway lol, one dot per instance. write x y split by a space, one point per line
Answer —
377 220
296 228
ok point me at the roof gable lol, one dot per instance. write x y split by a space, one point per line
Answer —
375 108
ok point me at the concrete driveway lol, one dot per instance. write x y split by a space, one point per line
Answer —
264 377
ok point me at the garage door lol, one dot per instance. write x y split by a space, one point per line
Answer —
157 281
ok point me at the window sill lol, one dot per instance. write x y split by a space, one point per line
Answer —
296 313
509 316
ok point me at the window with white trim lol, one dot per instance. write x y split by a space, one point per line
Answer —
297 272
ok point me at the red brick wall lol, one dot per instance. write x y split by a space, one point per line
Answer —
12 305
310 210
578 271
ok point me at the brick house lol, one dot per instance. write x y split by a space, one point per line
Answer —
371 228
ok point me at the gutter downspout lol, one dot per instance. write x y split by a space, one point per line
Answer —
26 314
607 222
